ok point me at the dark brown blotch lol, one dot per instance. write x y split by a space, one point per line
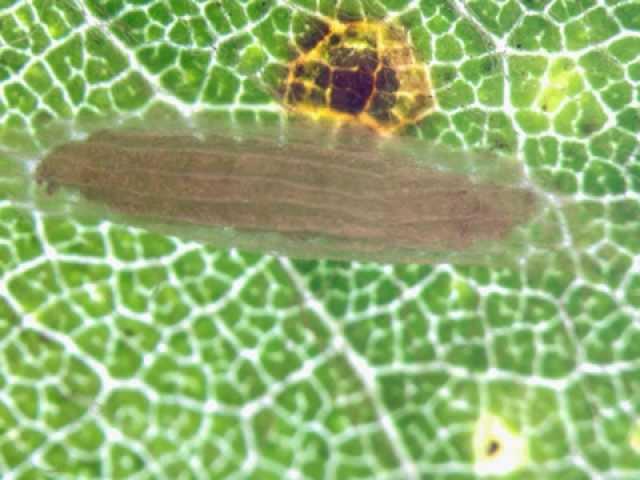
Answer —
348 101
351 90
299 71
382 101
317 72
354 80
385 117
323 75
386 80
296 92
317 97
317 31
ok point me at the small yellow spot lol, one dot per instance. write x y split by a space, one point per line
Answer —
564 81
497 449
634 438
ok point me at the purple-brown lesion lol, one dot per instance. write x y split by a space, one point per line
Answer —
350 90
360 70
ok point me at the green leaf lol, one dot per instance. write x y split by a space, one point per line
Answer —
129 354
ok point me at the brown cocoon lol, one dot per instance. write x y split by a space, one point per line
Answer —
354 199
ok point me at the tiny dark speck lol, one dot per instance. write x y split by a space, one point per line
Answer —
587 127
493 447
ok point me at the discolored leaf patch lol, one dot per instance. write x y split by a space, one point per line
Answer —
360 71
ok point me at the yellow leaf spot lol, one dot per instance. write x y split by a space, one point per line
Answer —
634 438
563 82
497 449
